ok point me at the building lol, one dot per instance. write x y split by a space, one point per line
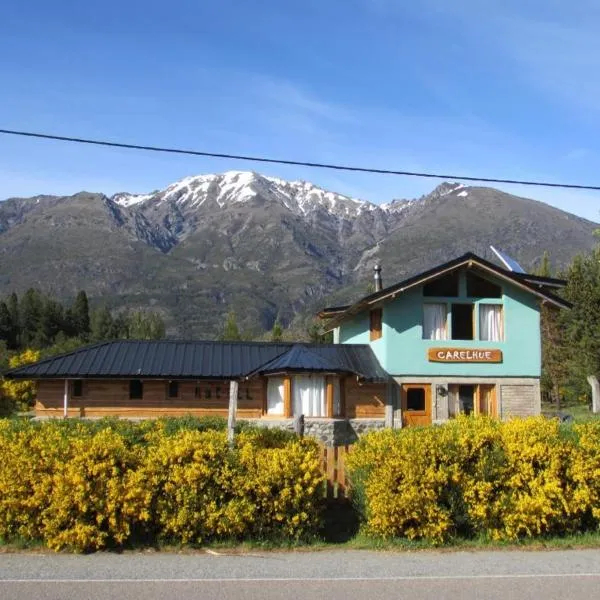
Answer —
340 389
463 337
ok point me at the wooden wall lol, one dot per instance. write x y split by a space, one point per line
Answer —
111 398
366 401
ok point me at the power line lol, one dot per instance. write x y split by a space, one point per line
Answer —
300 163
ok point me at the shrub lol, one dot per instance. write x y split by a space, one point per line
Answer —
473 476
91 505
88 485
284 484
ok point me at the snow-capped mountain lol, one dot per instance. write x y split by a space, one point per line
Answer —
300 197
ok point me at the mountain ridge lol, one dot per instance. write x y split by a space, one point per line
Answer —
270 248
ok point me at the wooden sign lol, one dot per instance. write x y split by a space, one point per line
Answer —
466 355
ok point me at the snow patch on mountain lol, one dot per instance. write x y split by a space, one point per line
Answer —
127 200
302 198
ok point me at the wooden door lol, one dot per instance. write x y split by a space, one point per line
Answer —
486 400
416 404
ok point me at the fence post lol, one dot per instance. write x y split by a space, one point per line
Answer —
233 396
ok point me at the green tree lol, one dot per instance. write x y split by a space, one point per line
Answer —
52 322
30 309
582 323
316 334
13 309
80 312
231 331
146 326
554 349
277 332
101 325
6 325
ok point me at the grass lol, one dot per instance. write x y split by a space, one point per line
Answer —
580 413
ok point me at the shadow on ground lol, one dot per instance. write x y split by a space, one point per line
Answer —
341 522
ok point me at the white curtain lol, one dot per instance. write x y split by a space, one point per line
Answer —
434 322
491 323
308 393
275 396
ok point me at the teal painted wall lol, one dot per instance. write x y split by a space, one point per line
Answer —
402 351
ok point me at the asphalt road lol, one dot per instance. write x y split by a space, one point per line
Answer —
331 575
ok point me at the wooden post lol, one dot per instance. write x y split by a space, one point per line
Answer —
329 397
389 403
287 397
299 425
595 385
233 399
66 399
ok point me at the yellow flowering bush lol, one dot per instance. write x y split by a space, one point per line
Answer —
192 488
85 486
90 506
523 478
284 486
20 393
29 460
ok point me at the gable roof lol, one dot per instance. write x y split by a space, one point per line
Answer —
530 283
165 359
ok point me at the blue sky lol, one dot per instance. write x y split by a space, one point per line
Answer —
496 88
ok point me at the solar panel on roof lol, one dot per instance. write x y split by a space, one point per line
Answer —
510 263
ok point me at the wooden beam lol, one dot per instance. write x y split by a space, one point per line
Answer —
287 397
329 397
233 400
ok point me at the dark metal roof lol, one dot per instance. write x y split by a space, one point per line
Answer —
339 314
301 358
197 360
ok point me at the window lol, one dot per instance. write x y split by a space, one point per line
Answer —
415 399
446 286
173 389
375 317
275 396
478 287
197 391
136 389
77 388
308 396
491 322
434 322
462 321
207 393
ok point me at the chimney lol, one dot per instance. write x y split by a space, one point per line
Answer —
378 284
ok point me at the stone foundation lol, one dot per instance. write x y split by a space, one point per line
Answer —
331 432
